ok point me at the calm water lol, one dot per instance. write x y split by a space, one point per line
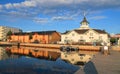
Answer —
21 64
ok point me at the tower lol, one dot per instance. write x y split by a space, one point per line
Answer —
84 24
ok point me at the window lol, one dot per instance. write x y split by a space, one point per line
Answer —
66 37
73 34
91 34
100 37
81 37
50 37
91 37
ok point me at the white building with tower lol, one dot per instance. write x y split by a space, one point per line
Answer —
85 34
5 29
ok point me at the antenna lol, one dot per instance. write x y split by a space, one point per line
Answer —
84 13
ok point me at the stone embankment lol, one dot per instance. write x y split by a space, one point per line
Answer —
53 46
57 46
117 48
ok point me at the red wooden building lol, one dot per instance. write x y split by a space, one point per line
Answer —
36 37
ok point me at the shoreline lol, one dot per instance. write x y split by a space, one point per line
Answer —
57 46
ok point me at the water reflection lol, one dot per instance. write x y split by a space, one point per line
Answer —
76 58
36 61
16 63
41 54
3 54
90 68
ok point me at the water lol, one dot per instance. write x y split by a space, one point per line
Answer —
51 63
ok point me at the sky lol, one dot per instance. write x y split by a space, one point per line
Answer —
60 15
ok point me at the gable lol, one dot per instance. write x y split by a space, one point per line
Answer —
81 31
72 33
91 31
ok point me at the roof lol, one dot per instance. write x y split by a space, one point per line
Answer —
44 32
84 20
37 32
65 32
100 31
82 31
115 36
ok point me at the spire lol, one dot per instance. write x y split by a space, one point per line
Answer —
84 23
84 20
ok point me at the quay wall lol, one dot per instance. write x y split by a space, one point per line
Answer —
117 48
54 46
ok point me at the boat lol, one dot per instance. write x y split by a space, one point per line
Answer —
68 48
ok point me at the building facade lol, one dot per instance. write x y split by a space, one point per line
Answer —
4 30
117 38
85 34
36 37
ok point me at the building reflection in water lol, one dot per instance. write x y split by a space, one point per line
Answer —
76 58
33 52
34 59
46 62
3 54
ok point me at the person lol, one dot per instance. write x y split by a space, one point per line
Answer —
102 43
106 50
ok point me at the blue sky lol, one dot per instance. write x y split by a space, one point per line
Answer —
60 15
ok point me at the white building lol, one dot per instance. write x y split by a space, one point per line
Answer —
4 30
85 34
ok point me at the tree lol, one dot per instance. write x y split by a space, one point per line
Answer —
30 36
9 35
20 31
113 40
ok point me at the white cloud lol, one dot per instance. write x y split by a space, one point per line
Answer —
40 20
62 18
0 6
8 6
28 4
72 4
98 17
64 9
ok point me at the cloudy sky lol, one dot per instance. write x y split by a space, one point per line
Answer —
60 15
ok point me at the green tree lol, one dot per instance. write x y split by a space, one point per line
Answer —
9 35
20 31
30 36
113 40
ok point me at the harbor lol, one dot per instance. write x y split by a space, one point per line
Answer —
99 64
59 37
